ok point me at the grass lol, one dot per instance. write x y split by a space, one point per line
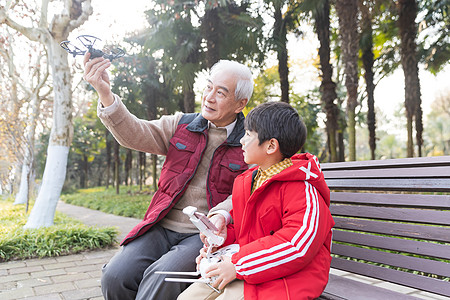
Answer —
128 203
66 236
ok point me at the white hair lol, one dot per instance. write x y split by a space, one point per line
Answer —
244 83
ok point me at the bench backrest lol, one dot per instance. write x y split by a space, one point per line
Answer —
393 220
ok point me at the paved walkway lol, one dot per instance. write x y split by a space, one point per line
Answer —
77 276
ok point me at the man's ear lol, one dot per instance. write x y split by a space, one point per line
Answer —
273 146
241 105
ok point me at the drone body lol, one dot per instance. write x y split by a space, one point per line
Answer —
88 42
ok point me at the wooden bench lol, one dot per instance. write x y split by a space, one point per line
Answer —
392 224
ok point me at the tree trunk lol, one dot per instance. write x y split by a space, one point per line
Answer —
368 60
210 27
117 166
60 139
128 167
23 195
108 157
407 27
189 100
83 174
327 86
347 11
279 36
154 172
141 170
340 138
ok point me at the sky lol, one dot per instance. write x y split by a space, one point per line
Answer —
113 18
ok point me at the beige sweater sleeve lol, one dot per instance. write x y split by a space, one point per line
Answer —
141 135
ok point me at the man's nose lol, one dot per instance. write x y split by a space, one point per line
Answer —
209 96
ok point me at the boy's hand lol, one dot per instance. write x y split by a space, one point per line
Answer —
203 254
225 272
219 221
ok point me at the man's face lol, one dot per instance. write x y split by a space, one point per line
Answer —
218 102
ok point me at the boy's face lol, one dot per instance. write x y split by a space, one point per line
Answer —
253 152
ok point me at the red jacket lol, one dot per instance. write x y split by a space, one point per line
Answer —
284 232
184 155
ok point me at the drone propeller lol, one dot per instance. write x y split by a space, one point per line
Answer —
71 49
88 42
114 53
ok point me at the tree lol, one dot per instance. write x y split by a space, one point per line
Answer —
407 11
11 123
366 45
36 94
86 146
347 11
321 13
434 44
73 14
181 53
280 44
438 126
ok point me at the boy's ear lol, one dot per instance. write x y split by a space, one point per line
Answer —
273 146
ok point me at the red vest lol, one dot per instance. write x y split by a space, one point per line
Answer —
185 152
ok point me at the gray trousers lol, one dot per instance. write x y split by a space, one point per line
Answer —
130 273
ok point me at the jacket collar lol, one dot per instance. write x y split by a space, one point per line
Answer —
200 124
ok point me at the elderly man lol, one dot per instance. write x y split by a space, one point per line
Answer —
203 156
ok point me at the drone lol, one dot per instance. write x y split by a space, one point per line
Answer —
88 42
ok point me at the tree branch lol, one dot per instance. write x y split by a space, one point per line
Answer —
86 11
34 34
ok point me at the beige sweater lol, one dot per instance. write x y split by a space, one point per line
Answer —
153 137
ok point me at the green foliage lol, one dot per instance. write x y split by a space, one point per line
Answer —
437 135
434 33
129 203
308 106
67 236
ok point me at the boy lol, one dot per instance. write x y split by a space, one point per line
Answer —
281 216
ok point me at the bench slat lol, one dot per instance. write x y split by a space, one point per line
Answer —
431 233
340 288
401 184
393 259
391 213
412 200
408 279
424 172
390 243
389 163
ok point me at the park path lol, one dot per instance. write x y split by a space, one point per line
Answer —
65 277
77 277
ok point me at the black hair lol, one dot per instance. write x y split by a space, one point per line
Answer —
278 120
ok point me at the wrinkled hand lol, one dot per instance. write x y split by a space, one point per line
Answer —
219 221
95 73
225 272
